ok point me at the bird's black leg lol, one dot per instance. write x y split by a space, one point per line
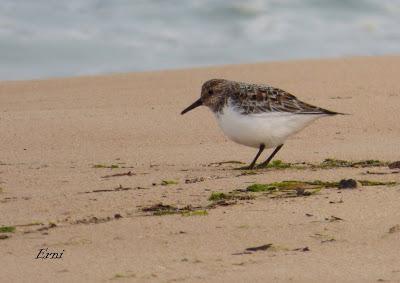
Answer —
265 163
251 166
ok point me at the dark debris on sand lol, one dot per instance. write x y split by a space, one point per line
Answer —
348 184
394 165
166 209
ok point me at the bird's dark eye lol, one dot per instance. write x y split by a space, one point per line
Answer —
210 92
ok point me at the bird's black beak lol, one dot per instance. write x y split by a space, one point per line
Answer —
197 103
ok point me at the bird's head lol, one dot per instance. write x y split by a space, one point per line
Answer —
213 93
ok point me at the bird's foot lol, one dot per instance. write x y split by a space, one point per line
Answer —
261 166
249 167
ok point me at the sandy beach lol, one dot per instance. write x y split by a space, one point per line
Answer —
105 169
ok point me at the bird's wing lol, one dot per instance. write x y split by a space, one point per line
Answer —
254 99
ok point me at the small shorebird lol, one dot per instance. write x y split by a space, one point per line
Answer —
258 116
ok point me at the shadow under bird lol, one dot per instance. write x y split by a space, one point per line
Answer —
258 116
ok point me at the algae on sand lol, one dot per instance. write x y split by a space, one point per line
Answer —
295 188
216 196
337 163
123 276
161 209
260 188
168 182
7 229
233 195
279 164
166 209
329 163
289 185
377 183
112 166
275 164
316 184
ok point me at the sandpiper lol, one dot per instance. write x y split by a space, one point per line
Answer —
258 116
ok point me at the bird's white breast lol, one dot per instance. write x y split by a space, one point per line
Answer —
268 128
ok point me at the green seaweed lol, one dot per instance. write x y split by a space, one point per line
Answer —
112 166
294 188
244 226
338 163
121 276
260 188
329 163
7 229
288 185
316 184
233 195
162 209
334 163
279 164
275 164
168 182
283 189
377 183
217 196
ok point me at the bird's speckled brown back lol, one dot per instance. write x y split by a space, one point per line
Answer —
254 98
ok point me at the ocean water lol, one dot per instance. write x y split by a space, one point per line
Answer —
52 38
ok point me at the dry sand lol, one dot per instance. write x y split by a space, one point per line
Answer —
53 132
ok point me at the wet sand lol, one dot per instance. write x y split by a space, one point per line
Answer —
68 145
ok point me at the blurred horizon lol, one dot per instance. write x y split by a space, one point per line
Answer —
48 38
